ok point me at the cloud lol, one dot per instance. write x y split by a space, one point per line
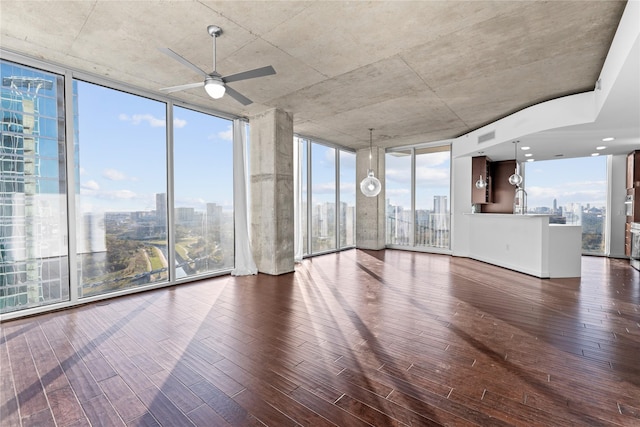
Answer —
425 176
432 177
324 188
226 135
92 191
398 175
433 159
90 185
136 119
179 123
116 195
114 175
121 194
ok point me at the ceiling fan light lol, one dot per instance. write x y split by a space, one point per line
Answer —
214 87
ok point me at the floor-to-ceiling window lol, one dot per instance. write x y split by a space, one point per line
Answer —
82 151
33 204
572 191
323 198
203 167
121 214
398 190
432 183
347 217
327 193
304 205
417 183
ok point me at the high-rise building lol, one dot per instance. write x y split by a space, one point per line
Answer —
33 228
185 216
161 208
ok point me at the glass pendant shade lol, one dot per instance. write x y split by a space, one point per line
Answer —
516 178
370 186
214 87
481 183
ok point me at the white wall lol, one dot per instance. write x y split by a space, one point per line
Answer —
460 204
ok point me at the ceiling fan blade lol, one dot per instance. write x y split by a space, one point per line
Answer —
251 74
238 96
181 60
181 87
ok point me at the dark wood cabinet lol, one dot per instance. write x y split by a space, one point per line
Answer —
502 193
497 196
481 168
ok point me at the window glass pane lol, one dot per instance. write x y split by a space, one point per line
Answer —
398 192
573 191
347 198
33 204
122 205
323 180
303 187
203 186
432 197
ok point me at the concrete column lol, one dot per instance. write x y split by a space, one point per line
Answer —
272 231
370 225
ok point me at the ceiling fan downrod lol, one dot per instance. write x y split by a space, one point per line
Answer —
214 31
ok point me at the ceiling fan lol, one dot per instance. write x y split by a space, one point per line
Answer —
214 84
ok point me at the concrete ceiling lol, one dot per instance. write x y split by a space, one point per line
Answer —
415 71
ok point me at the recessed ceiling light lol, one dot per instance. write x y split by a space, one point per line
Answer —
528 155
530 160
607 139
602 147
595 154
525 148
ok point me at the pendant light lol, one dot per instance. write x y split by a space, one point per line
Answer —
516 178
481 183
370 186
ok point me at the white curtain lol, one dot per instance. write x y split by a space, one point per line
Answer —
245 265
297 200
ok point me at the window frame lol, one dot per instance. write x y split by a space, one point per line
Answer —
412 229
307 249
69 75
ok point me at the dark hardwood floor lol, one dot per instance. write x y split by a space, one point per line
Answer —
357 338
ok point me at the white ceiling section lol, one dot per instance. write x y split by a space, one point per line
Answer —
415 71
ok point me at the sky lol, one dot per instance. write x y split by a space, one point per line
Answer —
123 163
432 178
580 180
122 153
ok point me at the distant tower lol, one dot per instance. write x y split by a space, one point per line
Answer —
161 208
555 206
440 204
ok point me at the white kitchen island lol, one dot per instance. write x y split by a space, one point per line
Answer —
526 243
